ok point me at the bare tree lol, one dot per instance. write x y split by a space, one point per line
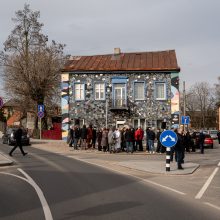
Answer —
217 91
200 103
31 64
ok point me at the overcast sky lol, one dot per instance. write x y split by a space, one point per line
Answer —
90 27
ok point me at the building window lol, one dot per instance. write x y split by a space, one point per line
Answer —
138 90
119 95
160 91
79 91
99 91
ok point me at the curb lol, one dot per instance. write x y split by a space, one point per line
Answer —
5 161
170 173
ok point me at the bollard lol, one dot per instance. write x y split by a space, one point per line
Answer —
168 151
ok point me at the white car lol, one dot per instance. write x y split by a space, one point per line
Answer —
213 134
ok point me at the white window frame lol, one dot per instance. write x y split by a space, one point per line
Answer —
164 88
122 88
99 90
81 91
136 83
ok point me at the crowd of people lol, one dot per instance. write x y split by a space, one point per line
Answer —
124 139
128 139
113 140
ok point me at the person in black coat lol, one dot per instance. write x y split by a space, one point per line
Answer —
218 135
160 147
147 145
83 137
77 135
201 141
99 139
179 149
71 136
18 142
129 138
94 136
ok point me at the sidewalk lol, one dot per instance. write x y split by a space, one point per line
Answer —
141 161
4 160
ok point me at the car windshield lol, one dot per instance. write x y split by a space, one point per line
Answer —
213 132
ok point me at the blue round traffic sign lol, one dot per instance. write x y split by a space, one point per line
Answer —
40 114
168 138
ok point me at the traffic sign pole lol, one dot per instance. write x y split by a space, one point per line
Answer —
40 115
40 128
168 139
168 151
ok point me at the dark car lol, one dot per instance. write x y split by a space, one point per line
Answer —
8 137
208 142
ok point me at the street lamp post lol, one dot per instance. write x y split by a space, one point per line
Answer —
106 107
106 113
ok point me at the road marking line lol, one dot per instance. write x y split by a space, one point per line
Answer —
206 185
121 172
165 187
10 174
46 209
213 206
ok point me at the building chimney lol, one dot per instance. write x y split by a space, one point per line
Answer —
117 51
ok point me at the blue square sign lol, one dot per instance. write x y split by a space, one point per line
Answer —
185 120
40 108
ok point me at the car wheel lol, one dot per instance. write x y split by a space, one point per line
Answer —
211 146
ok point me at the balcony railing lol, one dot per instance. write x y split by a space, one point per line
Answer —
119 104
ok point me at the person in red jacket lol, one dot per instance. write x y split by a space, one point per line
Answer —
139 135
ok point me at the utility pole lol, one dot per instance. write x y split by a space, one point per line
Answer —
184 102
106 113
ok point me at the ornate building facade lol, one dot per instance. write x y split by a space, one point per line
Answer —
138 89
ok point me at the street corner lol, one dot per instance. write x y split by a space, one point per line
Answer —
188 168
5 161
159 167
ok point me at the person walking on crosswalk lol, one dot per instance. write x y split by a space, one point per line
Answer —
18 141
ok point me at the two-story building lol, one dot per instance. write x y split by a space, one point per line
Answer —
139 89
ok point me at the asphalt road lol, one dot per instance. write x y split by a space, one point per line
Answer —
76 190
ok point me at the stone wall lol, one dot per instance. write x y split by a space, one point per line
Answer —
94 111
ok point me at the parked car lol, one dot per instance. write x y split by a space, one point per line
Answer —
213 134
208 142
8 137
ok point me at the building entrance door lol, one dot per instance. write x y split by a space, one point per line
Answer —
120 123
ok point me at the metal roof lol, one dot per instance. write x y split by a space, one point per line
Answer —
139 61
